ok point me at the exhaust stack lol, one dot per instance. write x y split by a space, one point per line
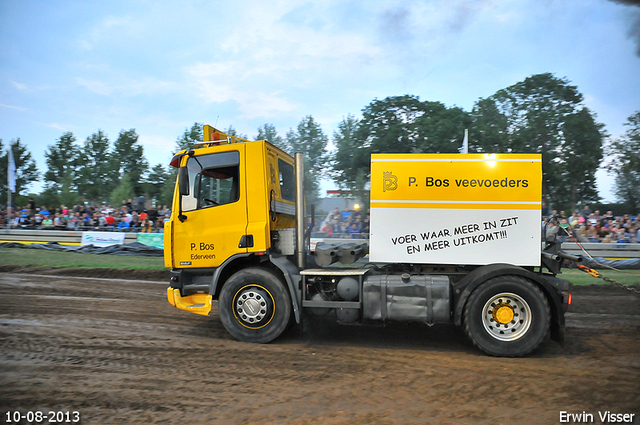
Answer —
301 250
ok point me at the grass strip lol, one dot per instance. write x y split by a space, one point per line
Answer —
29 257
26 257
577 277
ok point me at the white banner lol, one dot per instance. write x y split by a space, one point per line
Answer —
102 238
473 237
456 209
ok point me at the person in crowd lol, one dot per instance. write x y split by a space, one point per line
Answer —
602 229
581 235
37 220
110 221
59 222
147 225
326 228
152 214
346 214
564 231
123 226
86 221
31 206
102 220
592 234
135 221
633 234
354 231
609 216
343 229
551 230
365 226
47 223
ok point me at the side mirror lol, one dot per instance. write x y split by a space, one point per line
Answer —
183 181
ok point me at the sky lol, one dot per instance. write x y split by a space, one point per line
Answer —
160 66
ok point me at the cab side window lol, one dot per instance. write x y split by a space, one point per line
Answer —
287 181
213 179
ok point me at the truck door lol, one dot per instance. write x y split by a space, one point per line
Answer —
214 213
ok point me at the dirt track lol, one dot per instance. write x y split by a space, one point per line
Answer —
117 352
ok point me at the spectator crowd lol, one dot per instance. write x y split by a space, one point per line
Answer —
590 226
346 225
581 226
125 218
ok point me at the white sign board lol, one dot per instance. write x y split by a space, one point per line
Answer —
471 209
102 238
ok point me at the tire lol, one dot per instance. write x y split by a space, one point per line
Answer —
507 316
255 306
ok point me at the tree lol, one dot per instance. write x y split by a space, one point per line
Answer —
268 132
309 139
489 128
125 190
626 163
95 170
441 129
68 195
627 189
233 132
4 164
397 124
26 170
129 159
531 117
350 160
580 157
156 180
62 160
166 195
389 126
190 137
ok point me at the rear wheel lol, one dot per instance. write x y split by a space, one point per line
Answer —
507 316
255 306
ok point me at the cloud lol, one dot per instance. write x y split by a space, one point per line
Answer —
634 17
394 24
17 108
18 86
231 81
110 26
57 126
157 147
127 87
97 87
276 53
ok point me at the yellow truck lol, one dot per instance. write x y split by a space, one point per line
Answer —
454 239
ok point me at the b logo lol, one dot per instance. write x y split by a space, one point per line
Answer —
389 181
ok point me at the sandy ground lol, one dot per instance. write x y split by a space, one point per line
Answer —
116 352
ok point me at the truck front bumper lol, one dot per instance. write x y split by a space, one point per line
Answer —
196 303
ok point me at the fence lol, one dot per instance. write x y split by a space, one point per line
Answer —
605 250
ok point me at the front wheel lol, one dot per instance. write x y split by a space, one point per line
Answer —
255 306
507 316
